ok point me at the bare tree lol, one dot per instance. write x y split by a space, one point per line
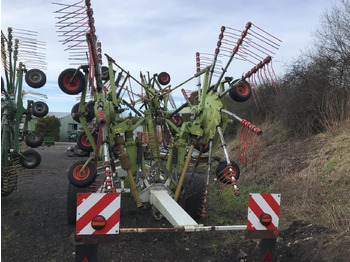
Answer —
316 88
333 41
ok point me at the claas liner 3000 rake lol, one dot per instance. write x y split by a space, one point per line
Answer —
150 156
20 50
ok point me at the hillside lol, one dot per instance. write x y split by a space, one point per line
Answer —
313 177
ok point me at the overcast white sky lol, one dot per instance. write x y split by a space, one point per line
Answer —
161 35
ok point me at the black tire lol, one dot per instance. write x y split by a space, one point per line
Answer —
205 148
71 86
193 189
222 175
34 139
33 159
242 92
40 109
35 78
163 78
89 112
72 202
83 142
74 111
85 179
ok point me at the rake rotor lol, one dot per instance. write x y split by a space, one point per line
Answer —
162 152
20 50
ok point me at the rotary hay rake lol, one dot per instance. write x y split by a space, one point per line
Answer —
20 50
154 164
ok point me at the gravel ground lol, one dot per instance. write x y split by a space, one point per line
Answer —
34 227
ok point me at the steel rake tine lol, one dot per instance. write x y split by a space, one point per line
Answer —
24 30
265 40
70 15
73 46
67 6
73 38
267 33
248 53
233 29
29 39
229 42
74 25
67 25
231 35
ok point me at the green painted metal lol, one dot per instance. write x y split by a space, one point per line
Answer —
152 147
13 113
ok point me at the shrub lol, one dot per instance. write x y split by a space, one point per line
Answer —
49 126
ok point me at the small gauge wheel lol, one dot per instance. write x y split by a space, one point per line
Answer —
89 112
40 109
240 92
35 78
224 175
82 177
164 78
177 120
205 148
71 81
30 159
84 143
34 139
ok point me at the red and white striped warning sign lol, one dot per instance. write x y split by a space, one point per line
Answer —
263 204
90 205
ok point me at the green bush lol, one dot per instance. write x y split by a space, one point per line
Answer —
49 126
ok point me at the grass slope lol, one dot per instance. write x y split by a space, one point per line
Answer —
312 175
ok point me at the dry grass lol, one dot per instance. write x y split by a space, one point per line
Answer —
319 192
313 176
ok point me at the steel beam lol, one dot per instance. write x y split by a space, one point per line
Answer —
170 209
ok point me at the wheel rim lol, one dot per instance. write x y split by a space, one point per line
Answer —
39 108
176 120
84 141
71 84
29 160
34 138
227 174
243 89
205 147
35 77
164 78
81 175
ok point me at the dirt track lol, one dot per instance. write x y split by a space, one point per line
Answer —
34 228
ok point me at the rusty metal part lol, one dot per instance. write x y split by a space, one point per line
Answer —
125 162
184 229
